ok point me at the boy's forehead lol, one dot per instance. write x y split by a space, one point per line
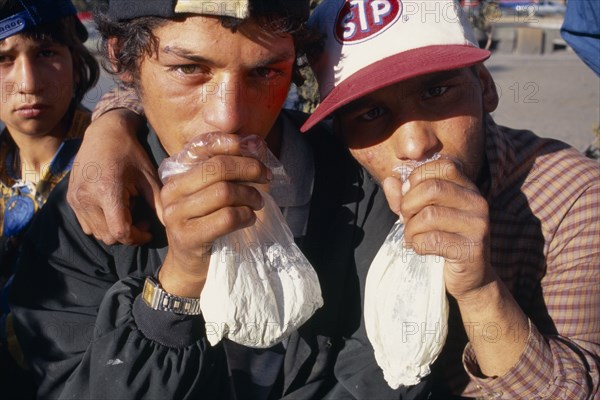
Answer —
191 53
198 38
213 49
27 38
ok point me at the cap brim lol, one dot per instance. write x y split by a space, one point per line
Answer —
394 69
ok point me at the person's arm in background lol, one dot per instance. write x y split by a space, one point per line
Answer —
110 169
581 30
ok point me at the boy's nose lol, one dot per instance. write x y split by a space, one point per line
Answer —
415 140
27 79
224 109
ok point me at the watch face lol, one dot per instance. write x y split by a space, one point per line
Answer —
157 299
149 293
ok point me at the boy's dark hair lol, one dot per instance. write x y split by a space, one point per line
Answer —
137 40
65 32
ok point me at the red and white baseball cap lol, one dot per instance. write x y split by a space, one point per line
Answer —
370 44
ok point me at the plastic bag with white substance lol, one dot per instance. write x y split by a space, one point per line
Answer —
406 307
260 287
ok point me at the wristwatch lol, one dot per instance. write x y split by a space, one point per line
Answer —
157 299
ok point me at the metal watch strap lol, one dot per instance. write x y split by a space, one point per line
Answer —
156 298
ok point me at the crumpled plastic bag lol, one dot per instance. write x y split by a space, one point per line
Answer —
406 307
260 287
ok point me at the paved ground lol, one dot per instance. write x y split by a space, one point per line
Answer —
555 95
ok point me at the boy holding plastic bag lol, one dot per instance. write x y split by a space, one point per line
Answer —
259 286
507 214
134 313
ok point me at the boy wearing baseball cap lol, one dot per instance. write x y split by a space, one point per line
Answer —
514 216
114 321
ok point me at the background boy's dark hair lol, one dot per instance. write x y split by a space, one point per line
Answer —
66 32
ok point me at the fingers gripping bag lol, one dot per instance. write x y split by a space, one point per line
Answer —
260 287
406 307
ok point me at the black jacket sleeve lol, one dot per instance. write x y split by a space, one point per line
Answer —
84 329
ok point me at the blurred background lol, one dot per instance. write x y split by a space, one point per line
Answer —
543 85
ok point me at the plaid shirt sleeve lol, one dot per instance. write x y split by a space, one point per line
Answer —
564 361
118 97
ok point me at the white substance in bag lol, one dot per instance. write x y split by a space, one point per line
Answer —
406 307
260 287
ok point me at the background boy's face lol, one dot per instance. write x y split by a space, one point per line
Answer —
206 78
411 120
36 79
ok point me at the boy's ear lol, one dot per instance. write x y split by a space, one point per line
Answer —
114 48
488 87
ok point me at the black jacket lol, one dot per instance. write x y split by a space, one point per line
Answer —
87 334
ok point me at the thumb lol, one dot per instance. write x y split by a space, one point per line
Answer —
149 187
392 187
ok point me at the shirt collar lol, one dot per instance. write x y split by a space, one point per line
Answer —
500 157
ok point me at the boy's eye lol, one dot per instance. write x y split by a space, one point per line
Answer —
47 53
4 58
266 73
435 91
188 69
373 113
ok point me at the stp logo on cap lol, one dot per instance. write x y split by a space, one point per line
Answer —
360 20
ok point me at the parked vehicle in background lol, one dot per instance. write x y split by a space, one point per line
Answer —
469 4
550 7
532 7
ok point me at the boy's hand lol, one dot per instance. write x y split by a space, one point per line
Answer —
110 169
208 201
445 215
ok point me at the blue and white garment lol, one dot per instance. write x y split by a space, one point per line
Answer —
20 199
